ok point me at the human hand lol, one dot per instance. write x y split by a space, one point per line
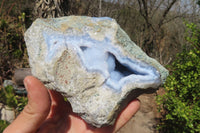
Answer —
47 112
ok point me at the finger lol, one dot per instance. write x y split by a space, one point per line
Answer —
127 114
58 105
35 112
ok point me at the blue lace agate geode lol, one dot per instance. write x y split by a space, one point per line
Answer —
92 62
104 58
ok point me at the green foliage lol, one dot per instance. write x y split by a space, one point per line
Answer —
180 105
3 24
3 125
9 98
198 2
12 45
15 17
193 35
12 36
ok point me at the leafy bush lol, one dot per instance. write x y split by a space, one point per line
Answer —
12 45
180 105
3 125
15 18
9 98
16 102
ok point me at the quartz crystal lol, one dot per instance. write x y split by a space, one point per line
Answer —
93 63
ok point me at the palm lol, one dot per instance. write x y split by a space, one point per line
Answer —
61 119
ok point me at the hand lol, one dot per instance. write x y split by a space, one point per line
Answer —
47 112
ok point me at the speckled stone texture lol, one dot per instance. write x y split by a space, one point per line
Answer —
93 63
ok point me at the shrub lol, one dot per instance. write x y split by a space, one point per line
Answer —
3 125
15 17
13 23
10 99
180 105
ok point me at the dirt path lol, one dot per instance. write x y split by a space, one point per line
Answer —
145 119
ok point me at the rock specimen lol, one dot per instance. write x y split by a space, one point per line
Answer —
92 62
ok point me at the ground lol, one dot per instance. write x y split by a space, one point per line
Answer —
146 118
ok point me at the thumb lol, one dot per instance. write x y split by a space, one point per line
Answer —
35 112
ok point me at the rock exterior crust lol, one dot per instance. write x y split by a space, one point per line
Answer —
93 63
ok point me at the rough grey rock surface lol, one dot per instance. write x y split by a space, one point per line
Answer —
93 63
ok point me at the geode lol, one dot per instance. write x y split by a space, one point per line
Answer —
93 63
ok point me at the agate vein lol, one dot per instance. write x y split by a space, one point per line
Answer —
104 58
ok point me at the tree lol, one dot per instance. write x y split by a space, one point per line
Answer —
156 13
59 8
51 8
155 25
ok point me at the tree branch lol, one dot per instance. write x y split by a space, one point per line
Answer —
166 12
145 14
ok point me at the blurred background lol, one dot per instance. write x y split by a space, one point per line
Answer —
167 30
